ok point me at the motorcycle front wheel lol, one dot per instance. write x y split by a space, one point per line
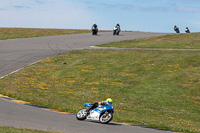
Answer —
106 117
81 115
114 32
94 32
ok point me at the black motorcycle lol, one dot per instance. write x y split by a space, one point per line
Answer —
187 30
94 31
176 29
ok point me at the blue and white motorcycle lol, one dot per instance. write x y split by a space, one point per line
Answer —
116 30
103 114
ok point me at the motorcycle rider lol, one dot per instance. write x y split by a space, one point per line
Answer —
187 30
117 27
176 29
95 27
101 103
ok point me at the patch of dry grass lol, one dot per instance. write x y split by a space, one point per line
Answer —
10 33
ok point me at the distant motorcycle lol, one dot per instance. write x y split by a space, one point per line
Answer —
176 29
116 30
94 31
103 114
187 30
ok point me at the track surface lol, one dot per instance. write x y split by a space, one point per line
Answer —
18 53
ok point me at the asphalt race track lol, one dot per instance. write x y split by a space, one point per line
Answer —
18 53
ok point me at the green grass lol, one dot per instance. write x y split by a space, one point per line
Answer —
17 130
10 33
159 89
181 41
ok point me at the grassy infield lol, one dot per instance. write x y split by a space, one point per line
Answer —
16 130
151 88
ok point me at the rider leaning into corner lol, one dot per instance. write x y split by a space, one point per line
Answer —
101 103
187 30
176 29
118 26
94 26
116 29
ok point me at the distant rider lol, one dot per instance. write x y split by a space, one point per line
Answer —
101 103
176 29
116 29
187 30
95 27
118 26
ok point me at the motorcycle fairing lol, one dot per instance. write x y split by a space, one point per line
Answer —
93 115
88 104
96 112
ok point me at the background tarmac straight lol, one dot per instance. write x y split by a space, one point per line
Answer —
18 53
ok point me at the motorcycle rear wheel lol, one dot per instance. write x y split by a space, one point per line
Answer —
81 115
94 32
106 117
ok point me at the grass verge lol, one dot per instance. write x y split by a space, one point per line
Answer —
174 41
10 33
17 130
151 88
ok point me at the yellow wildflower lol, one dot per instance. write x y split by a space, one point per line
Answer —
94 88
117 110
71 82
116 83
92 83
130 74
86 71
196 73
